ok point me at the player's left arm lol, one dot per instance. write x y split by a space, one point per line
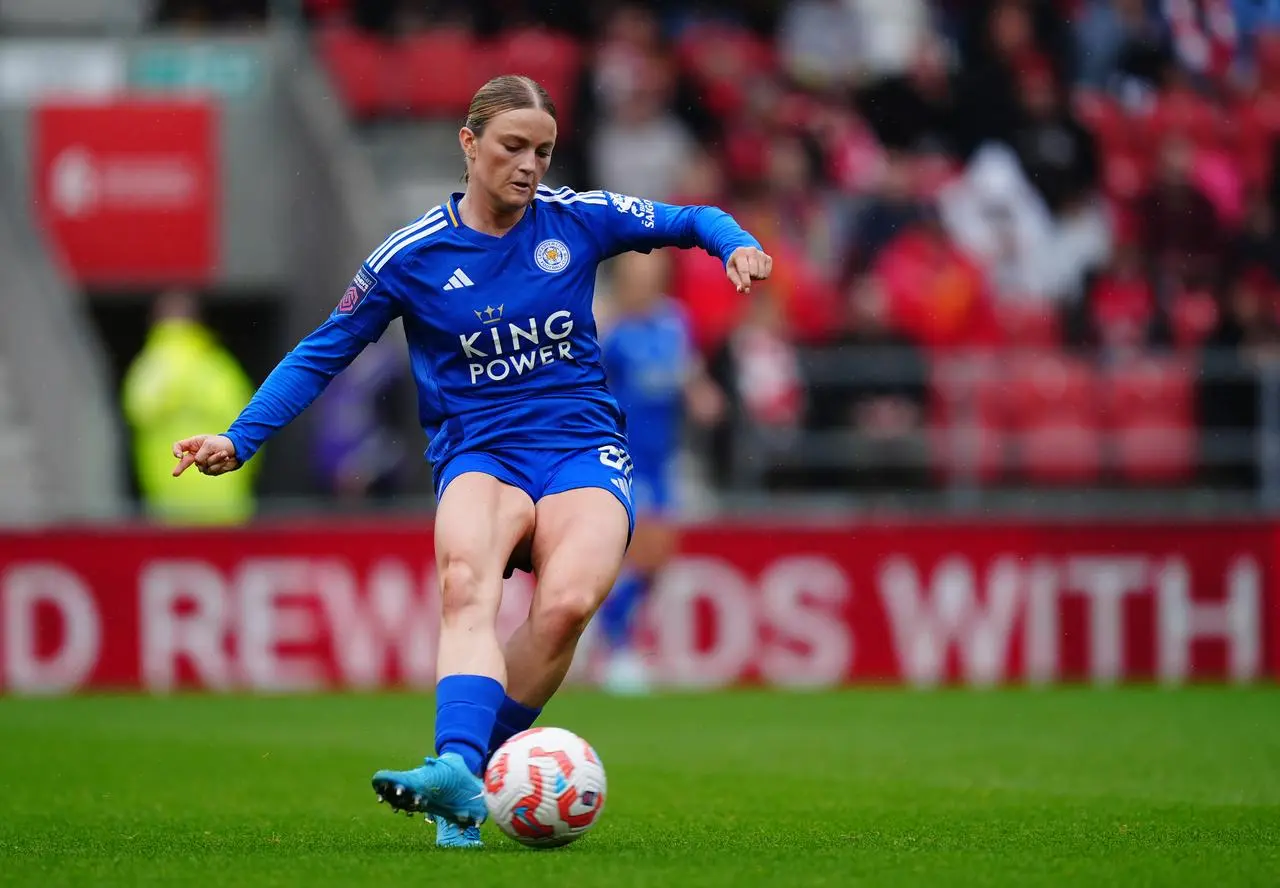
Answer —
632 223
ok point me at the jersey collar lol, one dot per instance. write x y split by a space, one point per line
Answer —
489 241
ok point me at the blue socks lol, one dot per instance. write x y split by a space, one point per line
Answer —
618 612
513 717
466 710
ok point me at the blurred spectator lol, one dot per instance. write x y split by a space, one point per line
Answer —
869 383
822 44
758 369
1120 311
1124 46
1057 153
639 145
1256 244
890 210
794 183
184 380
1182 235
1246 342
937 295
914 110
892 30
803 290
1000 38
995 215
360 450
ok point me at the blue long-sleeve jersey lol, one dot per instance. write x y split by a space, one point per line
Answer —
501 335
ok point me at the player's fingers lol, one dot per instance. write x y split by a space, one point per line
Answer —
188 445
743 265
734 277
184 463
206 453
768 265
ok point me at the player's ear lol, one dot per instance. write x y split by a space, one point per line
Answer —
467 139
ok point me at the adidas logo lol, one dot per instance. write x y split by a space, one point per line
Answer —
458 280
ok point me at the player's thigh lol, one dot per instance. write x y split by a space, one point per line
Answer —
579 543
480 521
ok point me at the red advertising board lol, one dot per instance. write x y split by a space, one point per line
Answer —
315 606
127 190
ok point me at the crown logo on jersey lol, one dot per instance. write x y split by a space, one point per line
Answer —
490 315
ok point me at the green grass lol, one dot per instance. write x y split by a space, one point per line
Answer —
1065 787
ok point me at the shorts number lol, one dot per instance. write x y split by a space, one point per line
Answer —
616 458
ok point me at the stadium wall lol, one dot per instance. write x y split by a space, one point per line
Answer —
313 606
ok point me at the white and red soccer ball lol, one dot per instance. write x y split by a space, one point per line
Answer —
545 787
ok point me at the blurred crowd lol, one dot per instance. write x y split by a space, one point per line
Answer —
1074 196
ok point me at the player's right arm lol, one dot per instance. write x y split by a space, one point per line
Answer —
360 318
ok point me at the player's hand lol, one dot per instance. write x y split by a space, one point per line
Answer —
747 264
210 454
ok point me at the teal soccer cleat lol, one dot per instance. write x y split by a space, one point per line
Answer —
450 835
442 788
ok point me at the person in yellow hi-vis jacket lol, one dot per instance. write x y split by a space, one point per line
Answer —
184 378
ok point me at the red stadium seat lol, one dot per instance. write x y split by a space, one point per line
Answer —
440 71
1029 324
1054 404
1155 454
1061 450
1150 412
358 65
968 413
970 452
1148 388
1049 385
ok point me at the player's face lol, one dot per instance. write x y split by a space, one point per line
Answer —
513 154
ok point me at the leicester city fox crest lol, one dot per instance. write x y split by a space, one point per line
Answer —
552 256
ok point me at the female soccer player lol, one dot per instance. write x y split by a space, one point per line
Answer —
528 448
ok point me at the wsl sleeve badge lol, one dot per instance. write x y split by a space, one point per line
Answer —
360 287
552 256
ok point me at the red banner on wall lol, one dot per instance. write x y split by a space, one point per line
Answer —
128 190
312 607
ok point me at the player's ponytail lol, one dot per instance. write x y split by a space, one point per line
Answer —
510 92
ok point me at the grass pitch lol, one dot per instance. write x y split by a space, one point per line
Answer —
875 787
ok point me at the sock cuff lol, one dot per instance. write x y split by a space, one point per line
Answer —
513 712
480 690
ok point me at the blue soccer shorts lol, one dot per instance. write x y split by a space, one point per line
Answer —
540 472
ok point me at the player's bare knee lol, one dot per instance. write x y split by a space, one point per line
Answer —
563 617
463 595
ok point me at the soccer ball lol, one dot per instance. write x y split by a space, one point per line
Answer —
545 787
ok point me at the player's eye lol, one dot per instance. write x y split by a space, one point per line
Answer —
544 152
